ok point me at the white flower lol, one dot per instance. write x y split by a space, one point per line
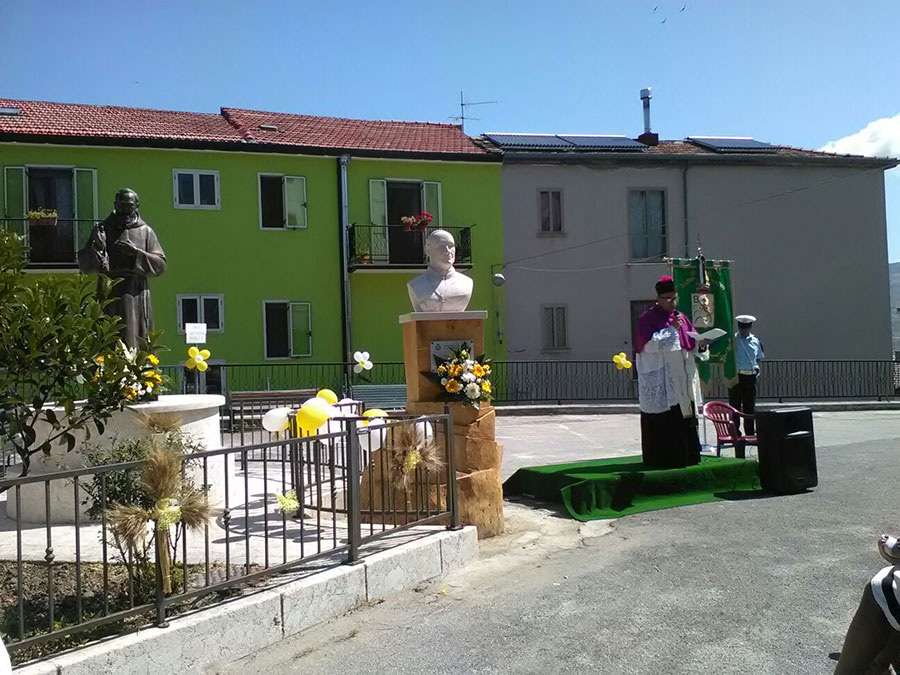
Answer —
468 377
443 381
469 364
473 391
80 379
362 362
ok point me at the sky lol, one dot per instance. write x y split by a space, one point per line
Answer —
807 73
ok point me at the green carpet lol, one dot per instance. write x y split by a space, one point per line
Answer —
609 488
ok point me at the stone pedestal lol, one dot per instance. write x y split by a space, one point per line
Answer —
476 451
199 416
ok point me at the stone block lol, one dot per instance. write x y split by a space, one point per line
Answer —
481 501
458 548
394 570
323 596
189 645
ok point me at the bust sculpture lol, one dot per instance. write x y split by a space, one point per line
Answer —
125 248
441 288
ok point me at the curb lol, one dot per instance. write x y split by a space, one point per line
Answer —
632 408
201 642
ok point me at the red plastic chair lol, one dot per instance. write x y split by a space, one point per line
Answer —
724 419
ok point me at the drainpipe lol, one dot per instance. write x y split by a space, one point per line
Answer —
684 197
344 228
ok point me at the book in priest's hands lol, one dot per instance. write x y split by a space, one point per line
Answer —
711 334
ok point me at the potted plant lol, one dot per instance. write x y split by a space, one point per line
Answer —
42 217
363 256
416 223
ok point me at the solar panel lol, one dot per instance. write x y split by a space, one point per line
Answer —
603 142
726 144
528 141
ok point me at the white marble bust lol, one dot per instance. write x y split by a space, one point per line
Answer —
441 288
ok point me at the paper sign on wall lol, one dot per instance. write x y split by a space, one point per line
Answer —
195 333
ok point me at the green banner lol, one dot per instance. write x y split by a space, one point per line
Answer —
704 295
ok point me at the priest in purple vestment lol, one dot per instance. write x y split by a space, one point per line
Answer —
124 248
668 383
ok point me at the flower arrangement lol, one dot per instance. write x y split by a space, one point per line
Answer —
135 370
411 449
43 216
416 223
464 379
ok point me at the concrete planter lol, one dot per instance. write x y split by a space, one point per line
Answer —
200 419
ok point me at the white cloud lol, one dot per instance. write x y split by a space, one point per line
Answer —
880 138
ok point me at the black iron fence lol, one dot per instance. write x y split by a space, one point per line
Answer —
78 574
558 381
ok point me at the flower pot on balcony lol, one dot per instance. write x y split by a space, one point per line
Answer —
42 222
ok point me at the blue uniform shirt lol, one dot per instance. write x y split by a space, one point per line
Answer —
749 352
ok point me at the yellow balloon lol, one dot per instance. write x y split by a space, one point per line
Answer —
202 366
627 363
327 395
619 365
312 416
373 413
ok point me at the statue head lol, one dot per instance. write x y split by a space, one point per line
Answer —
126 204
441 251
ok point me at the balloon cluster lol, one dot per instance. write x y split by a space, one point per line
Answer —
621 361
311 416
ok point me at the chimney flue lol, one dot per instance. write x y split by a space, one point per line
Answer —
645 97
648 137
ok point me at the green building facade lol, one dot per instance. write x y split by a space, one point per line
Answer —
254 237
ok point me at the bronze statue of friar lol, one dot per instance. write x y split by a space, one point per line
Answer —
125 248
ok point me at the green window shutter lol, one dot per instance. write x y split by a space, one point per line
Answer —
295 202
378 216
301 329
14 199
85 205
432 201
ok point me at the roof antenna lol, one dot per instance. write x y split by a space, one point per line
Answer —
463 104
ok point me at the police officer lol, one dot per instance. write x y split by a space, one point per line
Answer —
748 353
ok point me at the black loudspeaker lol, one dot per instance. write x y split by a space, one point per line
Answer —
787 450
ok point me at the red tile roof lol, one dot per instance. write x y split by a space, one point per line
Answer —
350 134
233 125
40 118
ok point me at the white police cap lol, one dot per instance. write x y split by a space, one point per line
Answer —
745 318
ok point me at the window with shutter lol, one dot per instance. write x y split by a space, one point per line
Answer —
14 199
295 202
554 327
647 224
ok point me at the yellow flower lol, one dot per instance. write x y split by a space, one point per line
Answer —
478 370
452 386
487 369
130 393
197 359
152 359
99 359
455 370
486 386
442 369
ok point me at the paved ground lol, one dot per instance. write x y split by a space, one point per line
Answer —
758 586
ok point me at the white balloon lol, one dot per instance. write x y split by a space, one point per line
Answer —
275 420
372 435
424 431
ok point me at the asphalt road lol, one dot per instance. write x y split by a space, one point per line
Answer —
756 586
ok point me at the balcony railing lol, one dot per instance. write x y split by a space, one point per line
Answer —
392 246
51 246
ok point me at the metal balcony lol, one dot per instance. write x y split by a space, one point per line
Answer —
393 247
